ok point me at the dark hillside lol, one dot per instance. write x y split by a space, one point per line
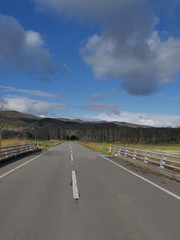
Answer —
32 127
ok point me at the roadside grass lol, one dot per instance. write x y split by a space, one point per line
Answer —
96 146
46 143
13 142
40 145
173 148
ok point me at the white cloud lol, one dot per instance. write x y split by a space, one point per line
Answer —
24 50
26 105
34 39
30 92
139 118
141 74
129 47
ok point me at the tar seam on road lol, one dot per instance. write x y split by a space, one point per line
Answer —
146 180
16 168
74 186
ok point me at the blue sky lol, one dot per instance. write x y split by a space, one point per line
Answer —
113 60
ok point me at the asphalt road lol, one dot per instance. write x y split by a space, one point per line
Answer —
40 200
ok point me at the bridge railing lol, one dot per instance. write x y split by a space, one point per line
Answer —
161 160
11 151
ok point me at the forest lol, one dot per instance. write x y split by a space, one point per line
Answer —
23 126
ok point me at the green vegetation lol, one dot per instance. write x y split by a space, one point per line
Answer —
163 148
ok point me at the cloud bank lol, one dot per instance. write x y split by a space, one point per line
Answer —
24 50
27 105
36 93
139 118
130 47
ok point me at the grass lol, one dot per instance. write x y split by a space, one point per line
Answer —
173 148
13 142
46 143
100 147
39 144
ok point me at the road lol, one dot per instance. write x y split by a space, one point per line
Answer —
106 199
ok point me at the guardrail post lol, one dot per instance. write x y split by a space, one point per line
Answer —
14 151
6 152
146 157
162 161
126 152
114 150
119 151
134 155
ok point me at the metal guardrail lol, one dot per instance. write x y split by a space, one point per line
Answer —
12 151
162 160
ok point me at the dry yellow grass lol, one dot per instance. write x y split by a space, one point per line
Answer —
100 147
40 144
13 142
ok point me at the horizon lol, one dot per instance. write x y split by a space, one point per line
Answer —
113 61
85 120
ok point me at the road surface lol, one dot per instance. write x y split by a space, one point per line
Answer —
72 193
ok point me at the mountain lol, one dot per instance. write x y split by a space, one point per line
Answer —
16 115
33 127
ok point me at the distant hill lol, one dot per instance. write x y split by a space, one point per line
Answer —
17 115
33 127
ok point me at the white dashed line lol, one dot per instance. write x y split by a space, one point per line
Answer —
74 186
72 158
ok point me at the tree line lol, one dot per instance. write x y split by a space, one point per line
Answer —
100 134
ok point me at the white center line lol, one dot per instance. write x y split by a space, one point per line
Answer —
14 169
146 180
72 158
74 186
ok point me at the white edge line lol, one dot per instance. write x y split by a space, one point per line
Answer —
16 168
146 180
74 186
